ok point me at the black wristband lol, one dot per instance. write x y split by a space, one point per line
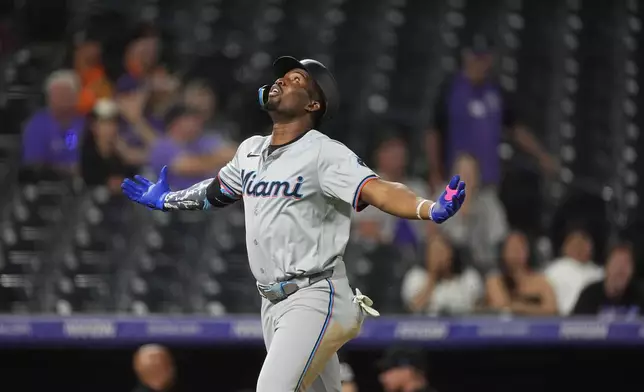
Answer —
216 197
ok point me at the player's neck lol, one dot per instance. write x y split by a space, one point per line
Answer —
285 132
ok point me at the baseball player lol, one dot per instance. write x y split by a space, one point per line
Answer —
299 189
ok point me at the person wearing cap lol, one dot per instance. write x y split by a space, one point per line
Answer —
404 370
470 114
190 155
105 160
300 189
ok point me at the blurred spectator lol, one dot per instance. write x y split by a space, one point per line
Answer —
138 130
469 116
347 377
199 96
391 159
190 156
569 274
51 135
618 293
141 60
480 226
144 109
155 369
404 370
517 288
164 94
93 79
146 91
104 160
445 285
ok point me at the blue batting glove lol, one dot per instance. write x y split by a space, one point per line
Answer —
143 191
449 202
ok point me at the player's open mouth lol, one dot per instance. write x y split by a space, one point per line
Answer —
275 90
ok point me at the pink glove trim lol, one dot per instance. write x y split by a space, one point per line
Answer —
449 193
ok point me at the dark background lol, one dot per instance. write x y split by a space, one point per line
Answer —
235 368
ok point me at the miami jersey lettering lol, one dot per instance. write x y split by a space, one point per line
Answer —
263 188
298 202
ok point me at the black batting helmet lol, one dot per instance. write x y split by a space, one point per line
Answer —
320 74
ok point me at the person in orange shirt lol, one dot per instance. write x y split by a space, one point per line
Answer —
94 82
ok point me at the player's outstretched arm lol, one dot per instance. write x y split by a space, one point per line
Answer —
397 199
201 196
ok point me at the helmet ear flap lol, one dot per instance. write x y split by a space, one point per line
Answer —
262 95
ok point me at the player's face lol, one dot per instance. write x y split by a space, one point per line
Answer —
290 94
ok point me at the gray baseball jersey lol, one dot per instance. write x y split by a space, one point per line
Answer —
298 202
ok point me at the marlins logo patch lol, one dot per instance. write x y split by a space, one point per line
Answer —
361 162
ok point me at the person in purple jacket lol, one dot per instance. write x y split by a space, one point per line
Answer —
470 115
50 138
190 155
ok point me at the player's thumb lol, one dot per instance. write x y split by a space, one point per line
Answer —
163 176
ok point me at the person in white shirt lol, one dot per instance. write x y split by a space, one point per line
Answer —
444 286
570 273
481 225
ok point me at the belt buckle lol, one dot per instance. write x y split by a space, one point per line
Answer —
278 291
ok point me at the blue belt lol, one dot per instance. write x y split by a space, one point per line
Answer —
279 291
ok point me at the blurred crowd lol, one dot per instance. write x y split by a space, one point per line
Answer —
103 130
477 262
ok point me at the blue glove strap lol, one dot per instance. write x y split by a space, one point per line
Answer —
161 201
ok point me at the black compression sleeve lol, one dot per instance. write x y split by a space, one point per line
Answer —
215 195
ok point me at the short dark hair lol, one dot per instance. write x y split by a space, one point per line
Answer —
577 227
399 356
621 246
144 30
